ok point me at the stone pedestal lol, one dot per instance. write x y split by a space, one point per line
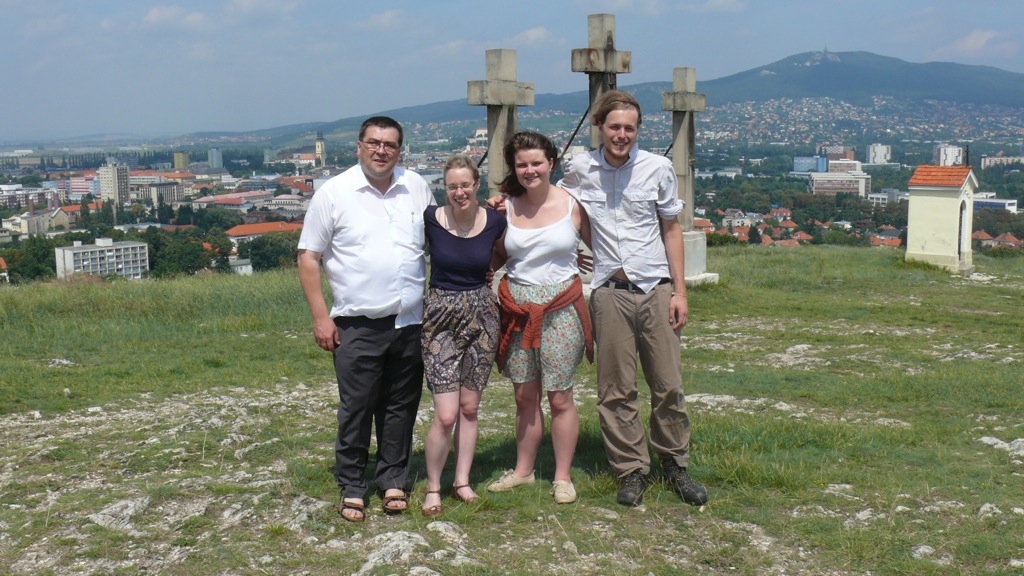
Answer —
695 246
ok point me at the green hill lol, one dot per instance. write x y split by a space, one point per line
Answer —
853 77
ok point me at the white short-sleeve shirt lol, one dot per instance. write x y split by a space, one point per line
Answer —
372 244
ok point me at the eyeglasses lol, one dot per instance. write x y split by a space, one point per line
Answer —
375 145
457 187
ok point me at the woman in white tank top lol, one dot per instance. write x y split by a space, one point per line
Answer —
545 323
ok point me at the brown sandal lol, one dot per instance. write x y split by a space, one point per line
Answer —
388 500
352 504
455 493
433 511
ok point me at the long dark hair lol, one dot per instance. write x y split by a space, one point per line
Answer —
523 140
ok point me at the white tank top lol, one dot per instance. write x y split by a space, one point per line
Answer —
542 256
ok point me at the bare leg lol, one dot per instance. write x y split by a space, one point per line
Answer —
565 431
446 409
529 426
466 431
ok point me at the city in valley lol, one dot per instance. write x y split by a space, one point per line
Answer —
777 174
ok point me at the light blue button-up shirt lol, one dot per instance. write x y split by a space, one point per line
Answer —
624 205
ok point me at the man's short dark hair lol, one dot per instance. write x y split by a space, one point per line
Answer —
381 122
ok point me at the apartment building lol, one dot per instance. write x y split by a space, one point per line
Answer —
114 181
948 155
833 183
989 161
104 258
879 154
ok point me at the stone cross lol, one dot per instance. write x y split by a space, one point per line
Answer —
684 102
501 93
600 61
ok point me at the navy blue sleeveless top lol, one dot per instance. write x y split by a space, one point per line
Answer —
461 264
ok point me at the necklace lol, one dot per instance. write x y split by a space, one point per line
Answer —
455 224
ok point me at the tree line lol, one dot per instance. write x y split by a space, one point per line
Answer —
198 244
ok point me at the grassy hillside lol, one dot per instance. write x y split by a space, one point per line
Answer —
852 415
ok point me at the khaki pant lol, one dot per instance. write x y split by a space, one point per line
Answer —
628 326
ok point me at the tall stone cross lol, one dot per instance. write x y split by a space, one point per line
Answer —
684 101
600 61
501 93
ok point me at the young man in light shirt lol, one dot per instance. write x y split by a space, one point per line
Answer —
638 298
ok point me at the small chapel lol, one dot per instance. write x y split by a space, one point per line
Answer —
940 216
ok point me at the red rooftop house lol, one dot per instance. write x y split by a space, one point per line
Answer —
244 232
941 211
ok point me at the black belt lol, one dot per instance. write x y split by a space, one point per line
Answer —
629 286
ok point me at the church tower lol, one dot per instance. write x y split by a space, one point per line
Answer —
321 150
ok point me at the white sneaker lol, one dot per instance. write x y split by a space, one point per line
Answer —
509 481
564 492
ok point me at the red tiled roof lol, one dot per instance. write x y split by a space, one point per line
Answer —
788 224
1007 238
3 264
887 242
262 228
981 235
941 176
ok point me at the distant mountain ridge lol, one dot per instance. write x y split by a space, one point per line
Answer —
857 76
853 77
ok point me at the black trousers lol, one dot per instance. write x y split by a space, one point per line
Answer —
380 380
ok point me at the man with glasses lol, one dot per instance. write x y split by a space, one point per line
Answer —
366 226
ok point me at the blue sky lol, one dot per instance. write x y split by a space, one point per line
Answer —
78 67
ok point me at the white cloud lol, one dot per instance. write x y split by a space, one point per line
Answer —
530 39
175 16
49 24
196 21
661 7
159 15
645 7
263 6
716 6
980 43
457 48
200 51
532 36
388 19
974 42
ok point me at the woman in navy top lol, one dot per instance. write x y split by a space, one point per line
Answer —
460 325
